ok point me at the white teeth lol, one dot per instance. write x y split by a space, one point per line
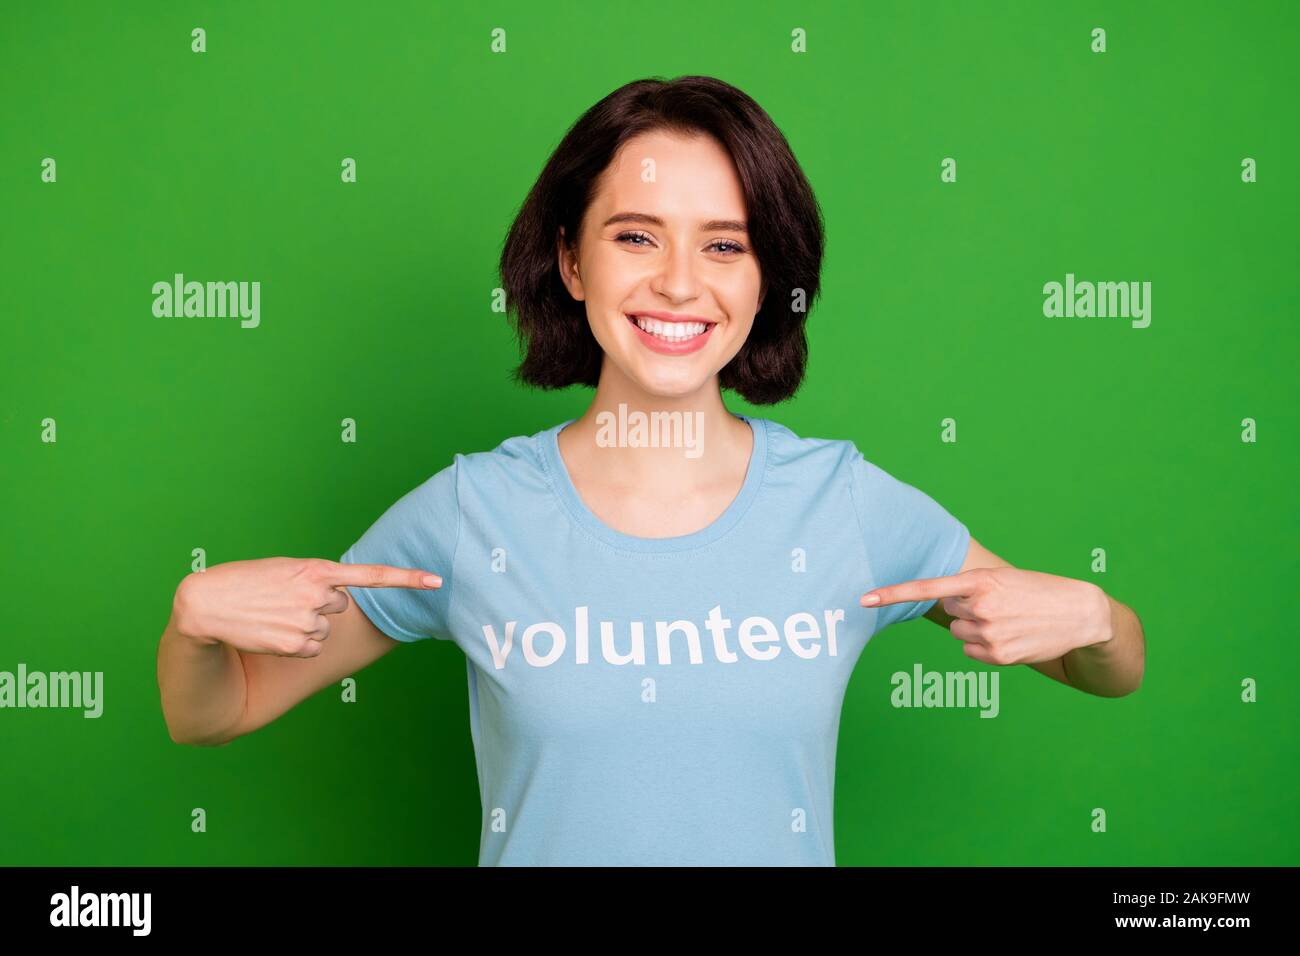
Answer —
670 331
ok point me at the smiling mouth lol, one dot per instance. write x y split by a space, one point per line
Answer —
670 331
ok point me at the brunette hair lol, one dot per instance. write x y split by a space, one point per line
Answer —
784 223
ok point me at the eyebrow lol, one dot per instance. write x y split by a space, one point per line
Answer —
713 225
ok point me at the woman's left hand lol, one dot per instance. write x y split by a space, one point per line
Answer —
1006 615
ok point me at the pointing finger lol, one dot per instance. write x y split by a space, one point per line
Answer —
923 589
380 576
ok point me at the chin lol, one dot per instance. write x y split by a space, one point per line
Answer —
663 383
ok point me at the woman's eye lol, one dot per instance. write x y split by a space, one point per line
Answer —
730 246
721 245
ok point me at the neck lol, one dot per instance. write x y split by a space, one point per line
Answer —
676 442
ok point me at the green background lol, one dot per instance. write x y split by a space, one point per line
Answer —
376 305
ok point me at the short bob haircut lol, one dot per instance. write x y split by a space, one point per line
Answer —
785 226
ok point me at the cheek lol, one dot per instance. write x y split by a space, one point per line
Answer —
737 335
611 270
744 325
602 324
746 291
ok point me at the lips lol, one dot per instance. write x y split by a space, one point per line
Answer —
666 346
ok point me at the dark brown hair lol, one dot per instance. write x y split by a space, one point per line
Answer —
784 221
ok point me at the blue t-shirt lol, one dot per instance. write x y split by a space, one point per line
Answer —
657 701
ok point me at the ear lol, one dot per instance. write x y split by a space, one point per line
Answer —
568 265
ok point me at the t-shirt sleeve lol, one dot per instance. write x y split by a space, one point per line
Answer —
420 530
907 534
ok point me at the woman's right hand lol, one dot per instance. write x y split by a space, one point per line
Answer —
278 605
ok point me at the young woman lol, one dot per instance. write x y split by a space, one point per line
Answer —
660 603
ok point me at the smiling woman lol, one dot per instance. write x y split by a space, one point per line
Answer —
666 194
669 250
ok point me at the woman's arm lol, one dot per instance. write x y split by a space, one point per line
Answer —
201 683
1071 631
1115 667
248 640
977 556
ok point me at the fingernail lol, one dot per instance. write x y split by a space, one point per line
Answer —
432 580
870 599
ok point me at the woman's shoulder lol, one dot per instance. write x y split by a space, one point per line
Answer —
792 449
830 460
518 459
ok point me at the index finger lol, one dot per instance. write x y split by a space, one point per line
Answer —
922 589
380 576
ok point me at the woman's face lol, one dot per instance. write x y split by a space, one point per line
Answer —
664 239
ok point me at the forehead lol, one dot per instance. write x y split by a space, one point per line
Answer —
673 175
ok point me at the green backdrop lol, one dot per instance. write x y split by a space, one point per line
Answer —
1073 434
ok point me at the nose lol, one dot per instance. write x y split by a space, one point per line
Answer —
676 278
